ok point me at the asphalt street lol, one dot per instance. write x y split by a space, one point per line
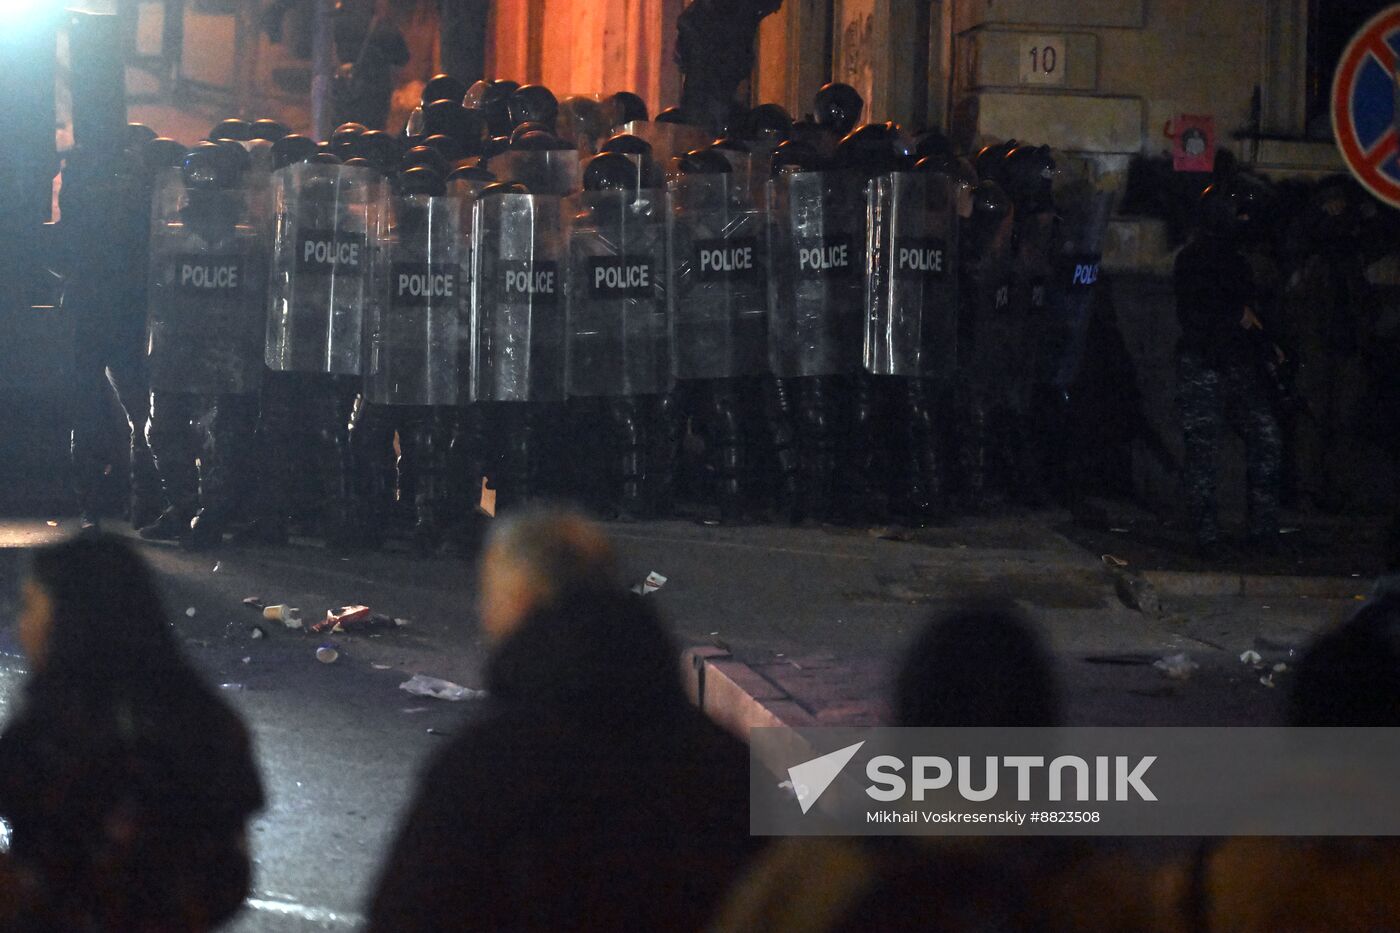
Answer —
340 743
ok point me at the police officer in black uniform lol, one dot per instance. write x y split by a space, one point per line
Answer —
105 233
204 341
1219 374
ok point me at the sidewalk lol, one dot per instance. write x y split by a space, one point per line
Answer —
804 626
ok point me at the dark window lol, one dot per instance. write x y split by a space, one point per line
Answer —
1331 24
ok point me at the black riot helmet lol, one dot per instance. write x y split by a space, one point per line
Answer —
358 162
326 158
138 134
767 123
990 208
534 103
380 149
1254 199
419 179
671 115
933 143
345 136
870 149
990 158
494 107
232 129
703 162
627 144
449 118
503 187
610 171
838 108
292 149
161 153
238 155
451 150
425 156
1028 174
731 144
210 167
792 157
269 129
466 171
524 128
536 141
1219 211
625 107
444 87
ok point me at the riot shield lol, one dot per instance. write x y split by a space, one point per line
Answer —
669 140
1083 223
326 217
748 172
617 294
719 280
816 293
414 321
996 337
911 307
556 172
518 314
207 295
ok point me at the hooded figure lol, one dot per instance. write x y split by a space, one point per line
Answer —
588 794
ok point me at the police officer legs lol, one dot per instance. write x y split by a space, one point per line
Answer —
1210 397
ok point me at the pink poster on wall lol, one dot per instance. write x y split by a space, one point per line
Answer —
1193 143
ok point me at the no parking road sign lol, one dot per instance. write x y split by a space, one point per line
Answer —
1364 106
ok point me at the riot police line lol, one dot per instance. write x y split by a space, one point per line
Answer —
811 320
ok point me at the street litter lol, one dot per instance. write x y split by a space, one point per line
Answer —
1267 680
230 686
51 523
416 709
247 659
1251 657
337 619
254 602
1280 668
1121 531
382 667
327 654
289 616
351 618
421 685
651 584
217 565
1177 666
257 631
190 612
1114 560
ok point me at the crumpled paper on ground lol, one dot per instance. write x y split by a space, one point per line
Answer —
422 685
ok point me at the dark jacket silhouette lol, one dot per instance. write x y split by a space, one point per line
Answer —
588 795
127 783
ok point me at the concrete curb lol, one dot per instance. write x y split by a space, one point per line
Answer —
736 696
1189 583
